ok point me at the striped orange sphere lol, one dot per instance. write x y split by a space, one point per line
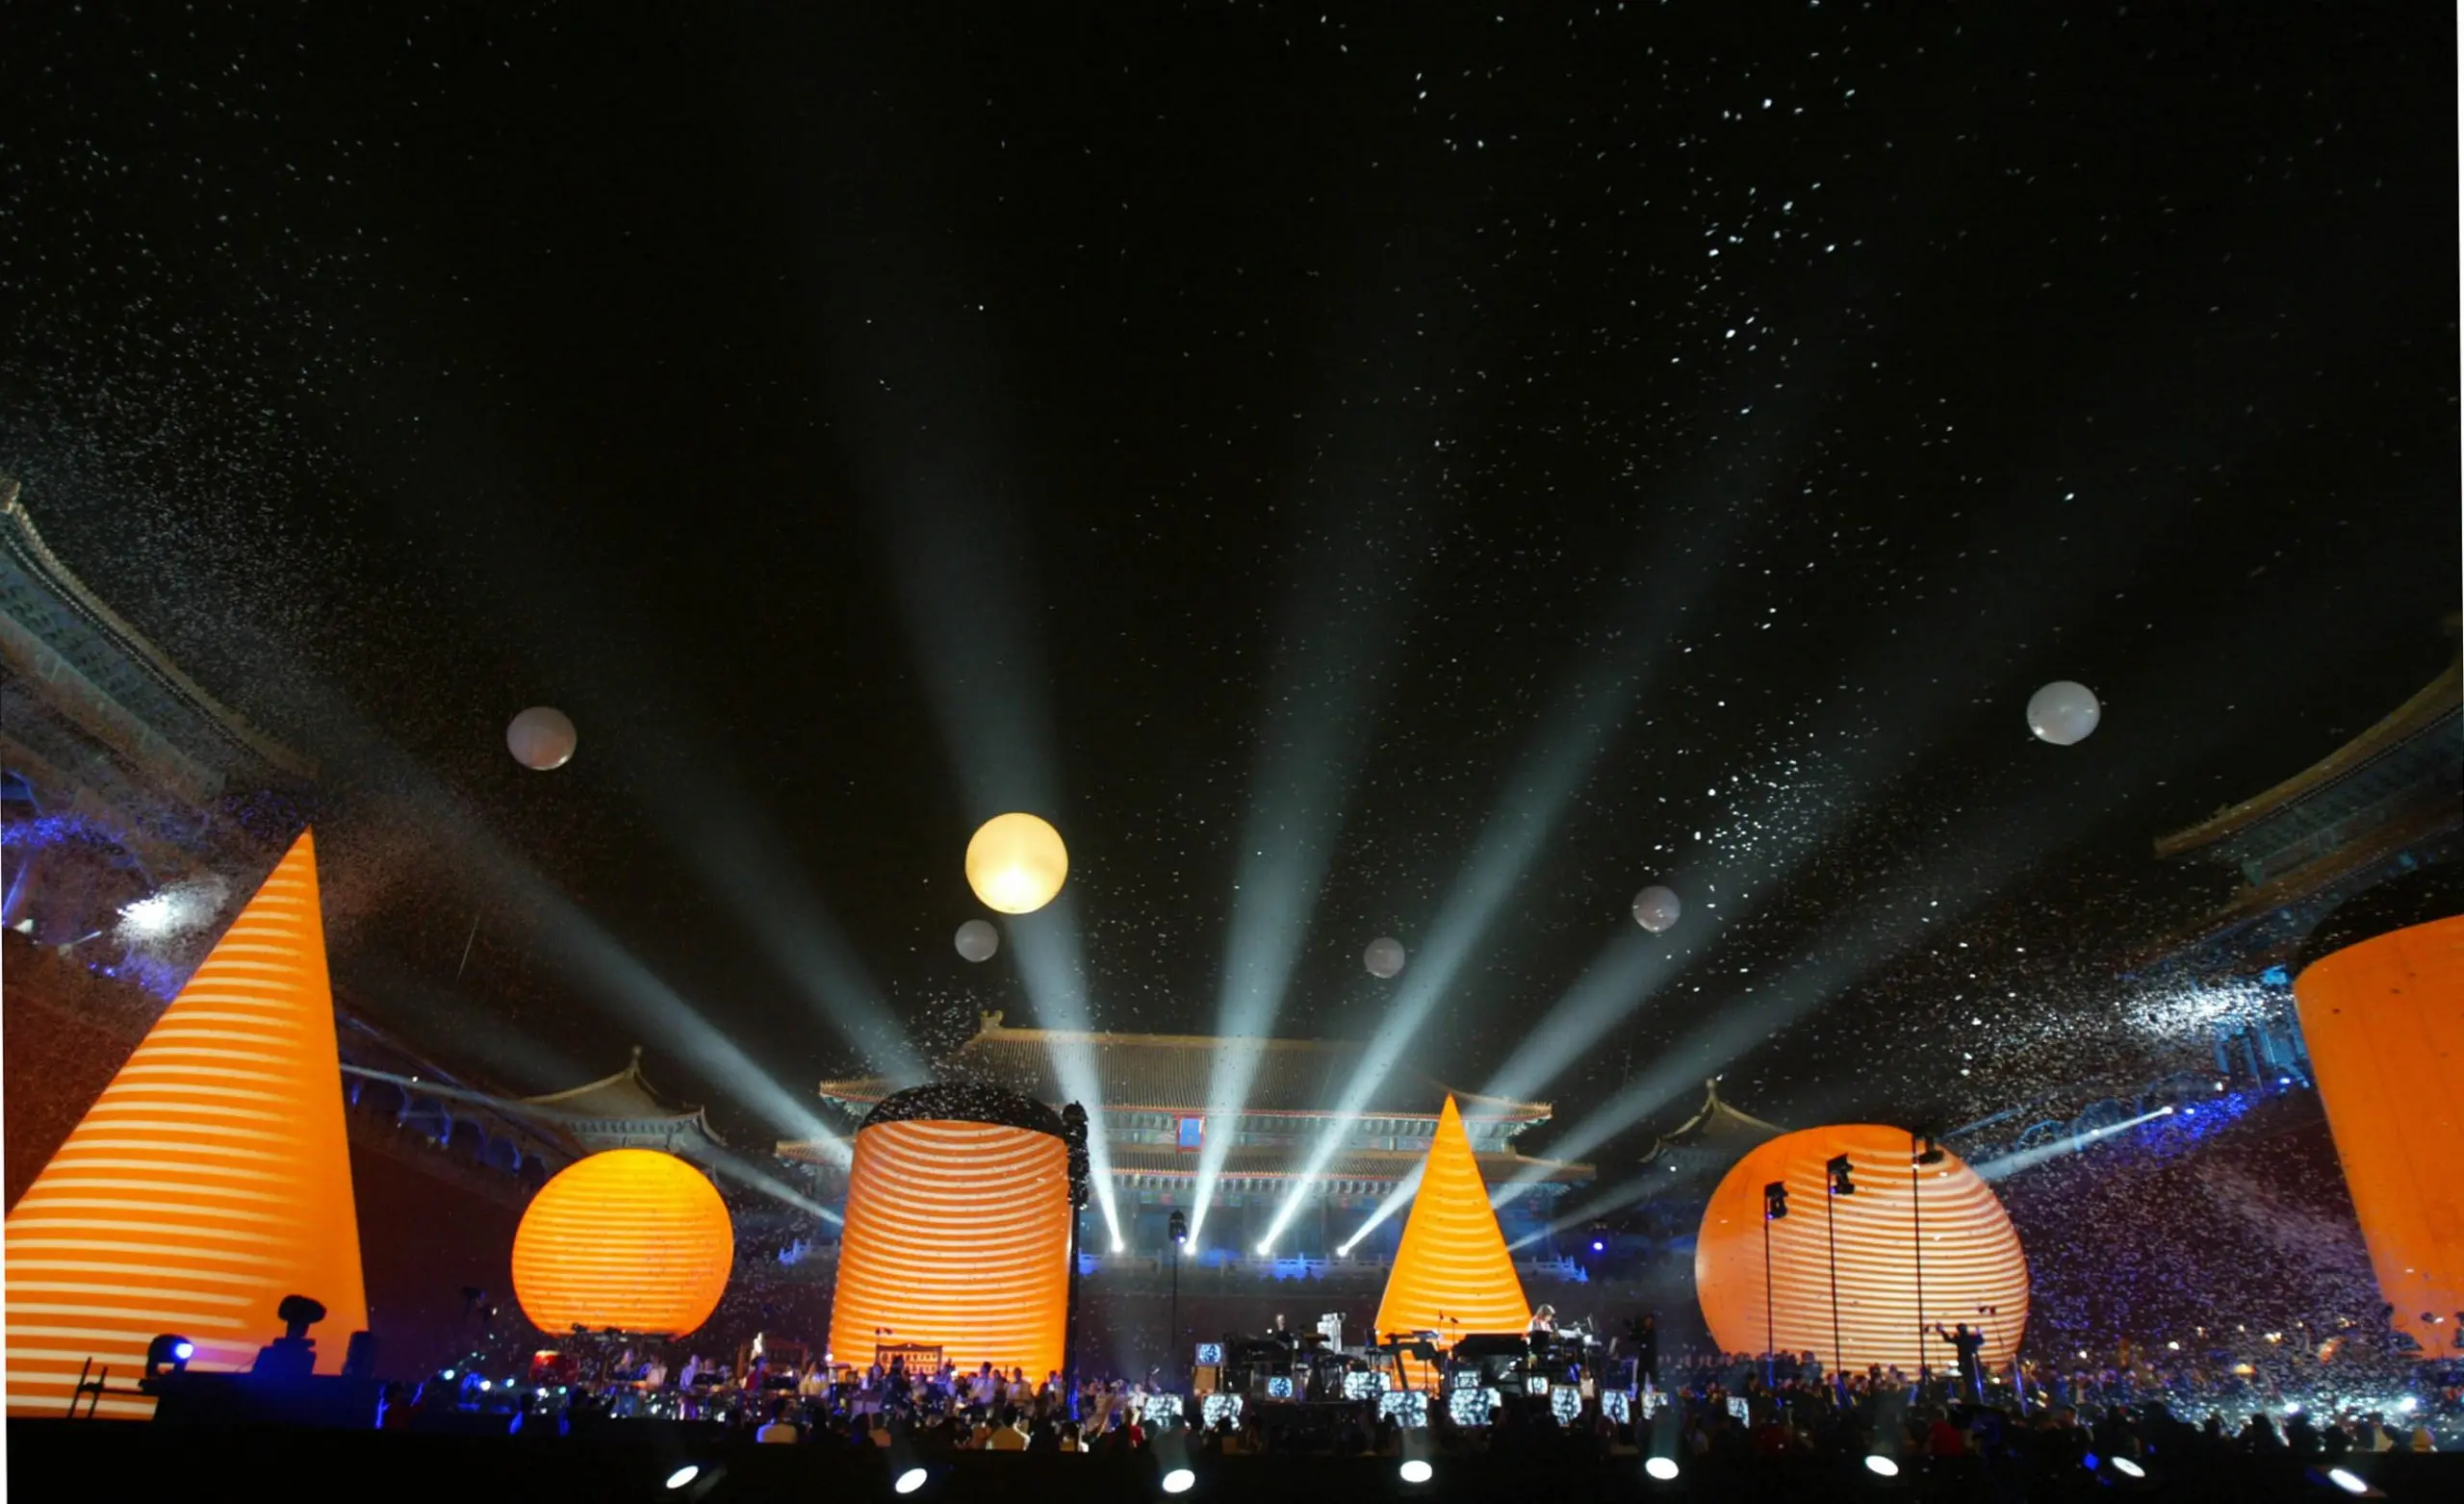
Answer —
956 1237
1973 1269
210 1180
629 1238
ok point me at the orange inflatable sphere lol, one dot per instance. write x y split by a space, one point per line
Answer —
631 1238
1973 1270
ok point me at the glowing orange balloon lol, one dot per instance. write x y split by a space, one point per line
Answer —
1973 1269
2383 1021
956 1237
210 1180
1017 863
631 1238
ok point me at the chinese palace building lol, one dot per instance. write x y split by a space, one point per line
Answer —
1156 1124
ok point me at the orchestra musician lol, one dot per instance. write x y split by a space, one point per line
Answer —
1544 1321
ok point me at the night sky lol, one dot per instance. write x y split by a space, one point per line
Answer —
1666 445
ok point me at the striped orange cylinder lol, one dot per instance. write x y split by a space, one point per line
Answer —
1973 1268
210 1180
956 1235
2383 1021
631 1238
1452 1274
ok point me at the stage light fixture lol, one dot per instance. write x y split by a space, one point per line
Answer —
1180 1480
1928 1151
1179 1228
1663 1468
2128 1469
2350 1483
1415 1470
681 1477
169 1351
1775 1201
1838 1169
1882 1466
909 1481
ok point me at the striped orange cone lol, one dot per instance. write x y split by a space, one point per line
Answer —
210 1180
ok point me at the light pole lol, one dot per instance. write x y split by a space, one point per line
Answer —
1840 1186
1180 1230
1775 1206
1074 1137
1923 1151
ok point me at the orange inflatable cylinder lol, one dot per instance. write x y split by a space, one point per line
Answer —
957 1232
1973 1268
2383 1020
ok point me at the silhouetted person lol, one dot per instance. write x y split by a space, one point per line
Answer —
1970 1347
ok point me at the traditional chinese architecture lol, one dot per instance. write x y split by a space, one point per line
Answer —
121 775
1156 1123
624 1112
2389 800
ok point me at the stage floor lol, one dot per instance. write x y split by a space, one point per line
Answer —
64 1458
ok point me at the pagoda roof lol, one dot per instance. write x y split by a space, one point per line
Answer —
1171 1073
2415 739
1717 1131
44 597
2383 800
626 1096
1270 1163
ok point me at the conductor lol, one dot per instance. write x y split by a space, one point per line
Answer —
1970 1346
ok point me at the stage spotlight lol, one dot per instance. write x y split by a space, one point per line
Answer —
1663 1468
2128 1469
2350 1483
1882 1466
1838 1169
683 1476
1179 1228
909 1481
168 1351
1415 1470
1928 1151
1180 1480
1775 1201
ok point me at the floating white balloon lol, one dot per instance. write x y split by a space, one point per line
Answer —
541 739
1384 956
1656 909
977 939
2063 712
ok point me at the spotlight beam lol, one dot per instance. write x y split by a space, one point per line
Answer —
958 563
2002 849
1309 744
1053 969
2011 1165
1543 783
741 857
1618 980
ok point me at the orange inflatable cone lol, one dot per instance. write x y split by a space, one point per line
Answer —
210 1180
1452 1274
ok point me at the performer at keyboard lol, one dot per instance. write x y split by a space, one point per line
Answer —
1543 1322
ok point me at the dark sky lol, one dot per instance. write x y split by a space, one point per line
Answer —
1724 413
